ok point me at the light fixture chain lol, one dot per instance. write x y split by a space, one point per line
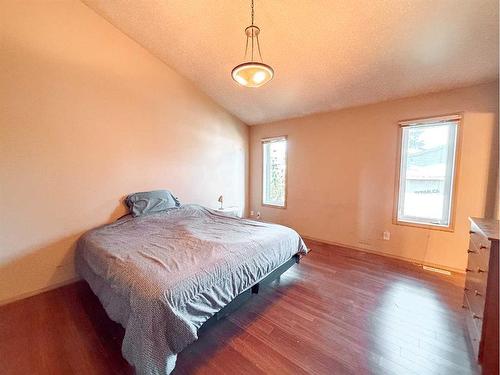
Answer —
253 13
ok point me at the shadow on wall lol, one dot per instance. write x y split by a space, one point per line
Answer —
38 269
43 268
119 210
491 209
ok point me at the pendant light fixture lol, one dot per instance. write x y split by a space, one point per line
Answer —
252 73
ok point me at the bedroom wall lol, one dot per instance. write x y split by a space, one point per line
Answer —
87 116
341 174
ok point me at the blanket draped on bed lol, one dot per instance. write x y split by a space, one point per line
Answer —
161 276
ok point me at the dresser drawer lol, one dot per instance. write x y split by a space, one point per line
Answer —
479 243
475 284
477 262
472 328
475 303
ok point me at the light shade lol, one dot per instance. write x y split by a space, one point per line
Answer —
252 74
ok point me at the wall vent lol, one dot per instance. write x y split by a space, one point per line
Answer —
437 270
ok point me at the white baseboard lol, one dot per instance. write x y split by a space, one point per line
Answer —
381 253
39 291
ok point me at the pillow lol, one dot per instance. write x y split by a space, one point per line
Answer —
151 201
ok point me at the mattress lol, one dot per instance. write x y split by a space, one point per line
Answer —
161 276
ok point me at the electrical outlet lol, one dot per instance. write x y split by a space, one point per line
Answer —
387 235
251 213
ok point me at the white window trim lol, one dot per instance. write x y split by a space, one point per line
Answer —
263 142
419 222
431 120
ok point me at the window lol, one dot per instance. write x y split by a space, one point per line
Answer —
427 171
274 171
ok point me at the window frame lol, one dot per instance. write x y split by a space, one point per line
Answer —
263 141
456 117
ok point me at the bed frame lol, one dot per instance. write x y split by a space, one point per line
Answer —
243 297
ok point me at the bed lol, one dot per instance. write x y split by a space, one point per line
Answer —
163 275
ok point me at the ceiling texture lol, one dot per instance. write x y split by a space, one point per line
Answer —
327 54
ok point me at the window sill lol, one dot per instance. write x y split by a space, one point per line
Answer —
273 205
449 228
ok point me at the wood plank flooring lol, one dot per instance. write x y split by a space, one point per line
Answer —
338 312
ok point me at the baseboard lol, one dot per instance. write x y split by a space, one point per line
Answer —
381 253
39 291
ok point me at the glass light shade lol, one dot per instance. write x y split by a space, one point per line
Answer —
252 74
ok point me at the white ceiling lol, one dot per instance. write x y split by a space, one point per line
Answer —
327 54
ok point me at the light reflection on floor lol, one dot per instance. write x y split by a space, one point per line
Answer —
412 325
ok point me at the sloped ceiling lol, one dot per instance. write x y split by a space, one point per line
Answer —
327 54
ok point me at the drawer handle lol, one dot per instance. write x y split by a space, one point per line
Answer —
471 251
479 270
475 316
466 289
472 232
477 293
482 247
468 270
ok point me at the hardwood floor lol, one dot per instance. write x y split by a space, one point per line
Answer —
338 312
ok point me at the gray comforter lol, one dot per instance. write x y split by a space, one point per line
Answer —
163 275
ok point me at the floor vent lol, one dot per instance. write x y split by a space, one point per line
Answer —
437 270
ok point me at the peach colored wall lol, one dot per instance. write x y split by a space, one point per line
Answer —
342 166
87 116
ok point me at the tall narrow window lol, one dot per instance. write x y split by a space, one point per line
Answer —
427 171
274 171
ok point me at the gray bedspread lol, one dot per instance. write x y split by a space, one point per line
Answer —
163 275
